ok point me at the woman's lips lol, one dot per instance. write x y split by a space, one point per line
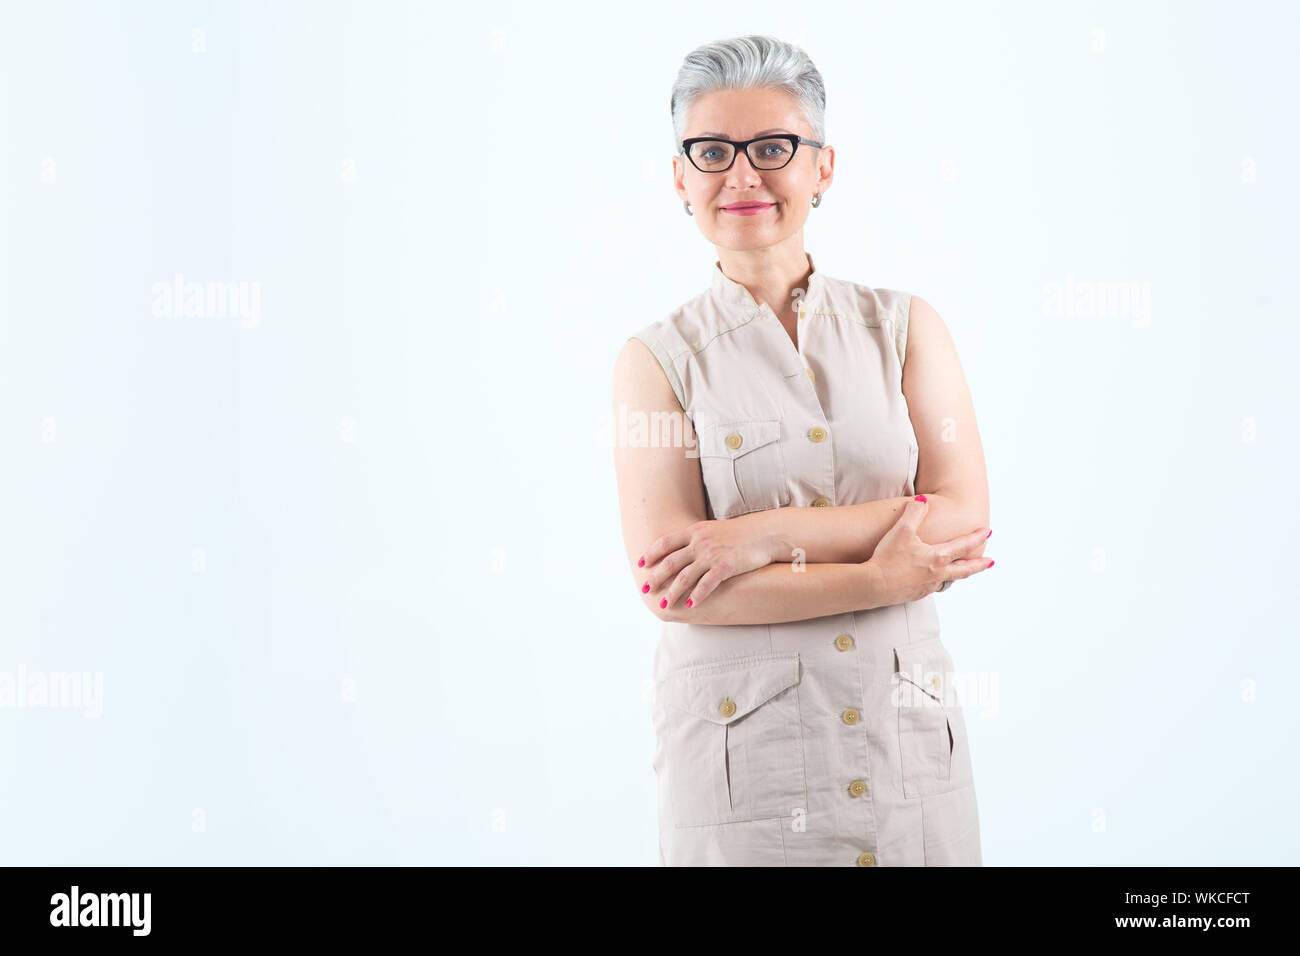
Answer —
749 209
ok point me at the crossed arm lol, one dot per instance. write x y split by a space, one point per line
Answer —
661 492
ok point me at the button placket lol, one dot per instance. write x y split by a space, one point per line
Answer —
818 435
802 353
803 326
858 790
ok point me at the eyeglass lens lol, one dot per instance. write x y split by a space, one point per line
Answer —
712 155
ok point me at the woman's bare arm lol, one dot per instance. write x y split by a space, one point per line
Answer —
660 489
950 468
782 592
850 533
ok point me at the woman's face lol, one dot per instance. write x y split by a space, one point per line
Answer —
739 115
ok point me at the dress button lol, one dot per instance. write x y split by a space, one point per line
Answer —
936 681
821 502
844 642
733 440
811 375
727 708
866 859
850 716
857 788
817 434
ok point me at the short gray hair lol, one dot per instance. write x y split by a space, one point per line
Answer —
746 63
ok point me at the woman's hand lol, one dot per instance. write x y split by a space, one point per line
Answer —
907 569
695 560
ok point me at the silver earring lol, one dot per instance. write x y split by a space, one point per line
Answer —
817 200
686 203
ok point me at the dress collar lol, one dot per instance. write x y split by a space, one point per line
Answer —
732 292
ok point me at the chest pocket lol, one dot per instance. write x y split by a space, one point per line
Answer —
743 467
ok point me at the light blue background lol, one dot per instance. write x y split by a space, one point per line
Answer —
409 634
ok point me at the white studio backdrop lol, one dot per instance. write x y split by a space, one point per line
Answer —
325 562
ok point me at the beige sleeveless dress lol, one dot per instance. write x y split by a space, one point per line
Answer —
833 741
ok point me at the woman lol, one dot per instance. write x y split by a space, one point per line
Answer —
803 709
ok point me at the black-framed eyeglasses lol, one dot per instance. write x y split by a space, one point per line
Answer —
711 155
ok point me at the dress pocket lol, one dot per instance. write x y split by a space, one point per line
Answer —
743 467
732 741
931 729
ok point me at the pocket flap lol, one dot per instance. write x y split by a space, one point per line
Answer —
724 691
925 664
733 439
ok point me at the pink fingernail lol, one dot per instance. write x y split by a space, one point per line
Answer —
689 602
920 497
645 588
663 603
990 563
641 563
990 532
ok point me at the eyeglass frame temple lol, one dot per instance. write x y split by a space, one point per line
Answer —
737 147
